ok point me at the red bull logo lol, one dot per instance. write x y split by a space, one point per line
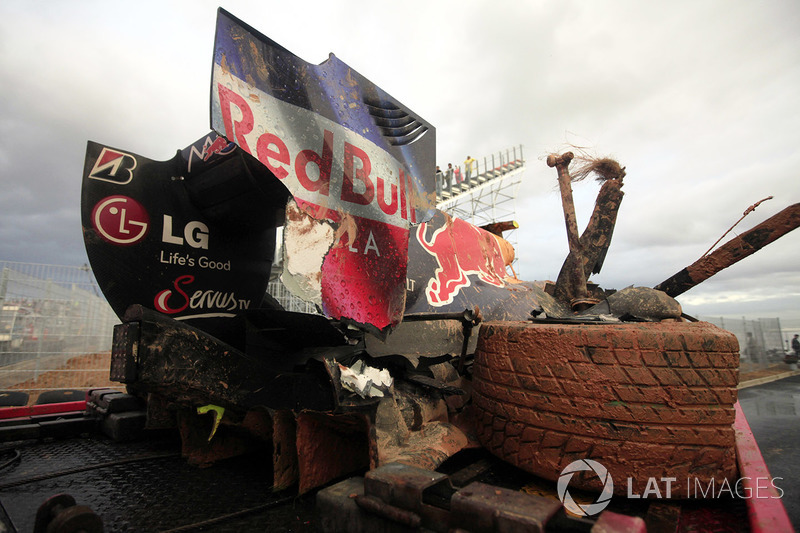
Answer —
217 147
461 250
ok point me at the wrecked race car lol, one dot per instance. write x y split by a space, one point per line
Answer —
422 344
184 249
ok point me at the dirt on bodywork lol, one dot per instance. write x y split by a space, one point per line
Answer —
646 400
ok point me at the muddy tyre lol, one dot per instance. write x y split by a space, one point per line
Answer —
645 400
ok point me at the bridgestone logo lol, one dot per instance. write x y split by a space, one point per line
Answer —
602 500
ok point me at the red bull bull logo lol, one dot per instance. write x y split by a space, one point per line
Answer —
461 250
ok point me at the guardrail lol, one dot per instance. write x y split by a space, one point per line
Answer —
453 181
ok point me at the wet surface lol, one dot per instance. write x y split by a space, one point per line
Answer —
146 486
773 412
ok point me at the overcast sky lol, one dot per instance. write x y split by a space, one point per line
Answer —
698 99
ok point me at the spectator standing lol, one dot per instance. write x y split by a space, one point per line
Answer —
448 175
470 166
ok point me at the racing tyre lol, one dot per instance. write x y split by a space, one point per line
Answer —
645 400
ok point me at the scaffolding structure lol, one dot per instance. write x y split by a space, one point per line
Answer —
488 194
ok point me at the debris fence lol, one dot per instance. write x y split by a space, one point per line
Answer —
56 329
289 301
761 342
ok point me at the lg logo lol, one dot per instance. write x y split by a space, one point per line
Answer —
195 234
120 220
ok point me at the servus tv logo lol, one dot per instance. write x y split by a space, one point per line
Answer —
203 303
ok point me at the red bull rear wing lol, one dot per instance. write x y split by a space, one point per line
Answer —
352 156
344 168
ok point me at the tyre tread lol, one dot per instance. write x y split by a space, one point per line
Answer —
649 399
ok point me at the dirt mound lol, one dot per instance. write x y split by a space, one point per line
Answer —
79 372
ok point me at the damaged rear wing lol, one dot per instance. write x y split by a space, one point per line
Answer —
319 149
358 164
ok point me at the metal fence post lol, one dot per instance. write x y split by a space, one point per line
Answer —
3 286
